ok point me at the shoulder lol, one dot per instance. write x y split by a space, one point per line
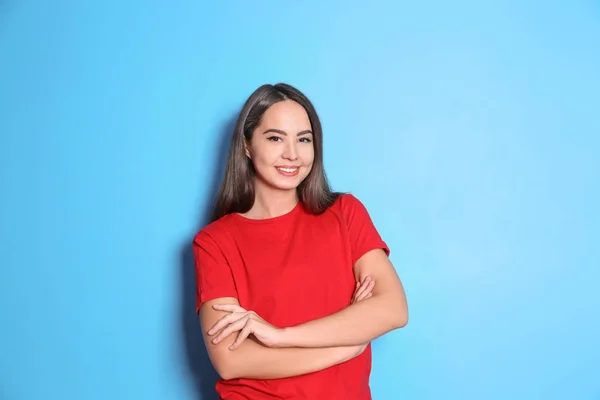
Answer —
215 232
348 205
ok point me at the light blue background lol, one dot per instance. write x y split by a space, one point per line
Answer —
470 132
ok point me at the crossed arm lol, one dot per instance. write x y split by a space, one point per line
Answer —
272 353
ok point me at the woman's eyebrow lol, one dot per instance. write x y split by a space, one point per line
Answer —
305 132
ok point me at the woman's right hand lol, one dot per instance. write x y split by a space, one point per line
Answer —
363 290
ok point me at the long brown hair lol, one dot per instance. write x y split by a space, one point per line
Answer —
236 193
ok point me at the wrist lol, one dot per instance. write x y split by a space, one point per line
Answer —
287 337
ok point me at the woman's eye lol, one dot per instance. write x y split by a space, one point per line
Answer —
305 140
274 138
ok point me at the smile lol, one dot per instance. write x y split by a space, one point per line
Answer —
288 171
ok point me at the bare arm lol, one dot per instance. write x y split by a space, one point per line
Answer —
252 360
363 321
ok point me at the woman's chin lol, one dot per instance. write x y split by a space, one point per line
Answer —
286 185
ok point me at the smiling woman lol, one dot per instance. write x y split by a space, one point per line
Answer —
293 280
286 151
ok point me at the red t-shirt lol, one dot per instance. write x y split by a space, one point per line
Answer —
289 270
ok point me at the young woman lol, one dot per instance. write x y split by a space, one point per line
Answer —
286 270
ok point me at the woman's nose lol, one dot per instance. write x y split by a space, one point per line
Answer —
290 152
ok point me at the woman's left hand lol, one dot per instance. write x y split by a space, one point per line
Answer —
247 323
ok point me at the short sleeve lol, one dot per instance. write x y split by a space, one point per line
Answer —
214 278
364 237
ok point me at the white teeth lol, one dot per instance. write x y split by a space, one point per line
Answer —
288 170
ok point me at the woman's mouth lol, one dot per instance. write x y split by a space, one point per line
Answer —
288 171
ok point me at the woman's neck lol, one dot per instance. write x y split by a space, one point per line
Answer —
271 203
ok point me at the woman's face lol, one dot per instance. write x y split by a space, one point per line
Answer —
281 147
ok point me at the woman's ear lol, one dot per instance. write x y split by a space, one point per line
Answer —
246 149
